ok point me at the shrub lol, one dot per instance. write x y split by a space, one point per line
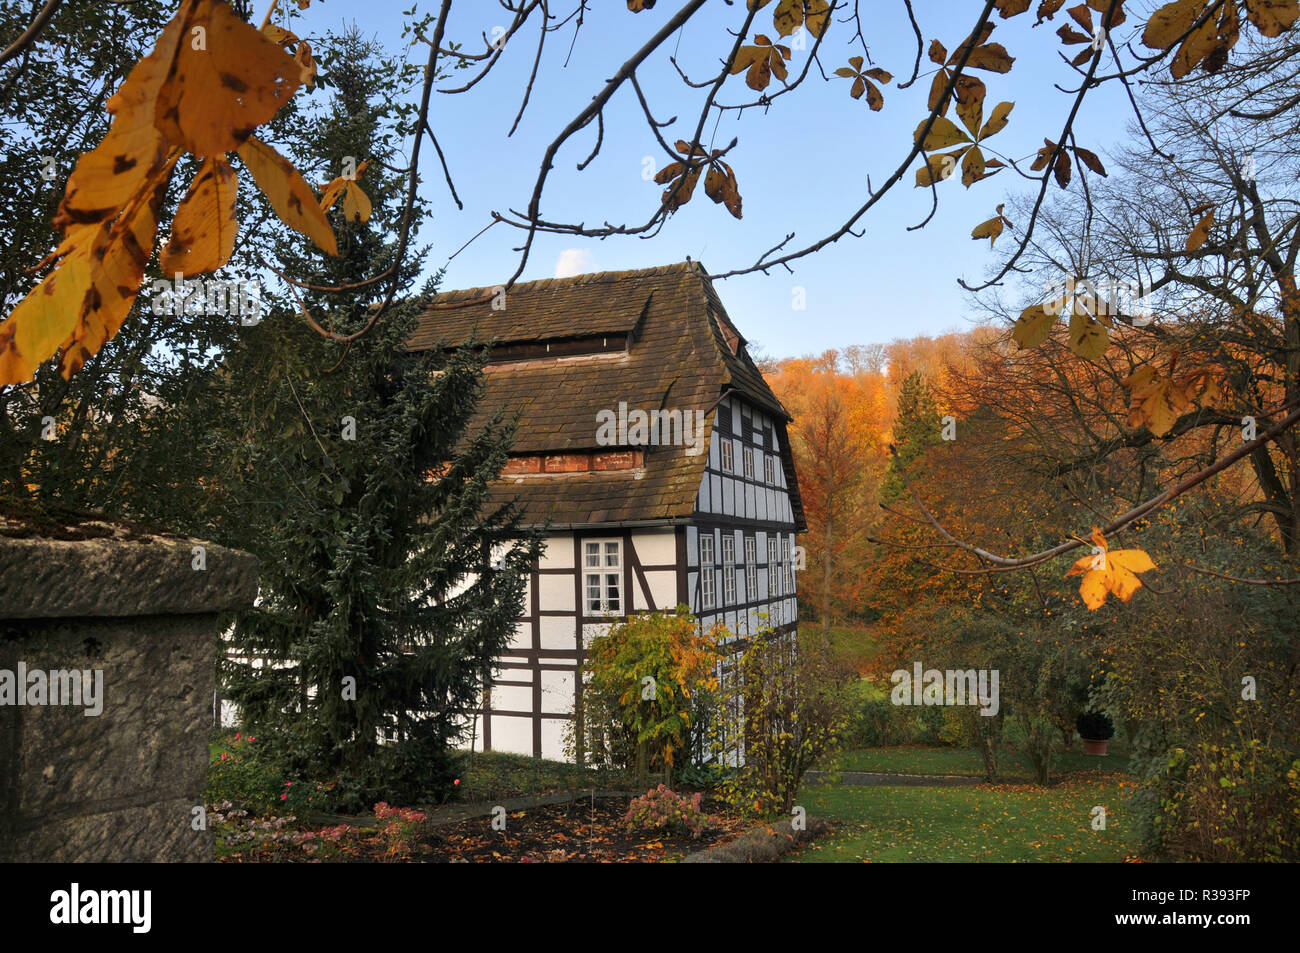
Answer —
1220 803
1095 726
761 845
932 722
239 776
873 724
661 809
785 707
1210 680
244 775
641 680
402 828
703 777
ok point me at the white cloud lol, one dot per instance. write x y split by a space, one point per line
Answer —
574 261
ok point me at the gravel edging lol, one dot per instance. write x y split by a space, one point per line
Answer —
764 844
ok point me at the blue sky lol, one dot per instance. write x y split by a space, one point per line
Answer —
802 167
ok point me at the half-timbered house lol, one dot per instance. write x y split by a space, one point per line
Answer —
653 452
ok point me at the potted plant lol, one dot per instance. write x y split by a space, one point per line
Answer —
1095 728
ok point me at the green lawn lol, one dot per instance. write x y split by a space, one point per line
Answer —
914 759
483 776
854 645
494 774
986 823
918 759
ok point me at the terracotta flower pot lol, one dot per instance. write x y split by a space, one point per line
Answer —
1094 747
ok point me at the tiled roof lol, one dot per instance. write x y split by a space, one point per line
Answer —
679 358
546 310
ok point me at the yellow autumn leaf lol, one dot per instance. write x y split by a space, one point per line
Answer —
1272 17
278 35
991 228
972 166
942 134
354 208
997 120
356 204
117 262
225 81
44 319
106 177
331 193
306 65
84 300
789 15
203 232
1088 338
288 193
938 167
1109 571
1170 22
1034 325
1200 233
1156 400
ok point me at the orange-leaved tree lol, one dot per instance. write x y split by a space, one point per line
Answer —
837 441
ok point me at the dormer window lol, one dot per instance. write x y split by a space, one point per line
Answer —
729 333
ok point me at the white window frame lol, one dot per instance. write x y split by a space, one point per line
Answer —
728 455
708 577
728 570
773 569
769 469
787 566
602 581
749 463
751 569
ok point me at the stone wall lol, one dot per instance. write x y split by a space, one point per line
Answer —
97 596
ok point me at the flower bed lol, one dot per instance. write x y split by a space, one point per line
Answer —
585 830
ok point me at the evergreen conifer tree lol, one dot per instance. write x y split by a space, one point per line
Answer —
389 578
916 427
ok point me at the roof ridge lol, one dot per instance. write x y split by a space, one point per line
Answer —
715 313
543 284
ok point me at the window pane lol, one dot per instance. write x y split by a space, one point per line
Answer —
592 551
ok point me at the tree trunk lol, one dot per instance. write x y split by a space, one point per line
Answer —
642 767
827 575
